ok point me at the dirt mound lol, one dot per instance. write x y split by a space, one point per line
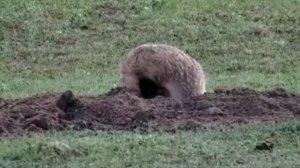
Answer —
119 110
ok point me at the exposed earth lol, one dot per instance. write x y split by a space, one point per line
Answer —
119 110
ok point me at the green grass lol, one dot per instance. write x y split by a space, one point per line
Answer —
232 148
54 45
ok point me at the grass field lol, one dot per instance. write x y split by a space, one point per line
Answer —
54 45
232 148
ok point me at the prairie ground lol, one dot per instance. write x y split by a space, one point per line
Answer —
53 46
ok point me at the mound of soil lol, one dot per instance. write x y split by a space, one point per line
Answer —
120 110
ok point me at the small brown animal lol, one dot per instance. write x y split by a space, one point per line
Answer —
151 70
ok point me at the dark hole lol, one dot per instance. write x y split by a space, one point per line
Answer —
150 89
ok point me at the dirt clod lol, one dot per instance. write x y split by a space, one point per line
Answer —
120 110
267 145
67 98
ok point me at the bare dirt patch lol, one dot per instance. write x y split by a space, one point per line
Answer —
119 110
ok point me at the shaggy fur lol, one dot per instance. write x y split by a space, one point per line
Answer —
173 72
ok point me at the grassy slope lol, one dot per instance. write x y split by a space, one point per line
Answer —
45 46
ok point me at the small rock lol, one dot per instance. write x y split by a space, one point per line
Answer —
248 51
260 30
266 145
280 43
215 111
58 147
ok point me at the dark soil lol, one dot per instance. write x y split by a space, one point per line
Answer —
119 110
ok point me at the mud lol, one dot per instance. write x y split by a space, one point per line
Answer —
119 110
